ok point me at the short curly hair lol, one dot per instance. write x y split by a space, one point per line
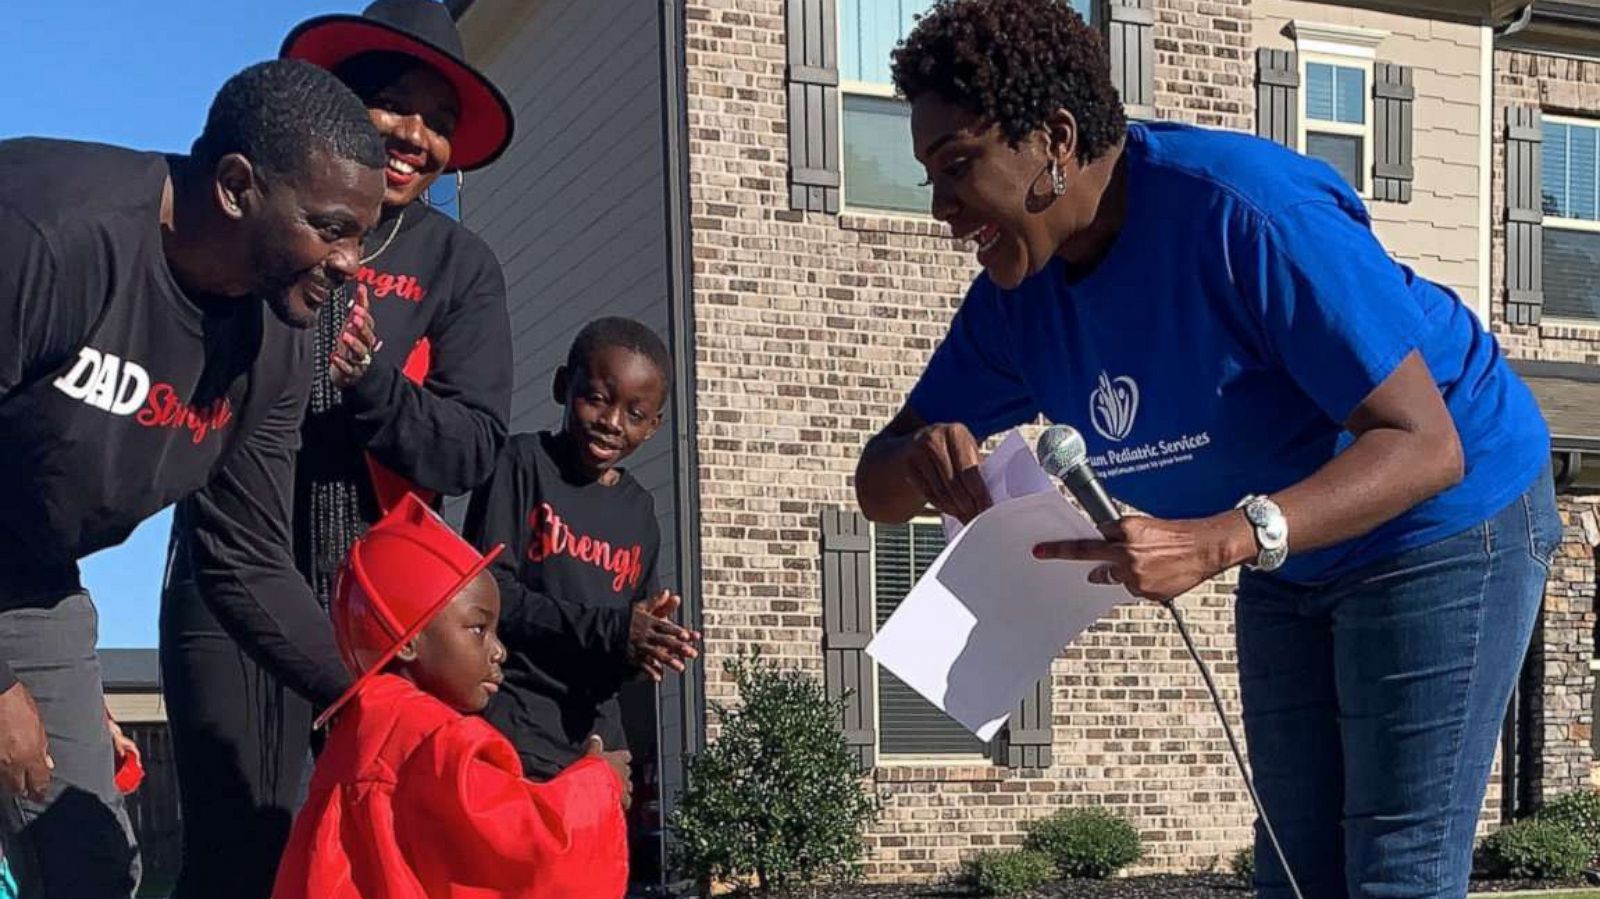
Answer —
1014 62
278 113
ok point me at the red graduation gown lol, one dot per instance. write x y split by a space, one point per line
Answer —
411 799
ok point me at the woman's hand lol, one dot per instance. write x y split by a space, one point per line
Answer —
353 356
1159 559
943 462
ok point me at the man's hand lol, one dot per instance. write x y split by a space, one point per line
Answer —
655 642
943 462
25 762
619 760
121 745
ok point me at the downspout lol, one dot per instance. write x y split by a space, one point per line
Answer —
1486 37
1516 731
681 342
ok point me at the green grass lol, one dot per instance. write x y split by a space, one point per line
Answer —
1557 895
1563 894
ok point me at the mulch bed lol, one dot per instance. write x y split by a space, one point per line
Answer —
1158 886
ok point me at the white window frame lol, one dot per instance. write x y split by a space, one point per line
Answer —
906 759
887 92
1563 223
1350 47
880 92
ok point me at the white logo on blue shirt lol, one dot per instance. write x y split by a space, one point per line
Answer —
1113 406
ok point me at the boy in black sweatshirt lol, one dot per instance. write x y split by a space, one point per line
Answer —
582 609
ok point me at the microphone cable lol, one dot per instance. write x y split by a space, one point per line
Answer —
1171 606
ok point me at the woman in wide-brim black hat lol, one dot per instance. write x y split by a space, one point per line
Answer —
426 411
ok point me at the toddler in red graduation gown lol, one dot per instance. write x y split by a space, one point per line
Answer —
414 796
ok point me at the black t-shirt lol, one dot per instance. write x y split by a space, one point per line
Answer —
120 394
578 555
428 279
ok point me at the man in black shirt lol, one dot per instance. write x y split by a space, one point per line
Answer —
153 346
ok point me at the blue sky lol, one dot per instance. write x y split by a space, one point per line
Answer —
140 75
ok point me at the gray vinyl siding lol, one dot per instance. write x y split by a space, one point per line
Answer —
575 210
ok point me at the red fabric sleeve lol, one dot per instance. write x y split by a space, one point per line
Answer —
468 822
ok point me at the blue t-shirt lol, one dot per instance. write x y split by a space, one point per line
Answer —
1242 314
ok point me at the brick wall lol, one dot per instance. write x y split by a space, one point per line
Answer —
1564 643
1559 684
1205 63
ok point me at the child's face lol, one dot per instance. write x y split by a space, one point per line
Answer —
457 655
613 405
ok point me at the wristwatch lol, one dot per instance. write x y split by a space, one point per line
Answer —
1272 532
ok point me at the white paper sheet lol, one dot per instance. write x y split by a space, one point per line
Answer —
1012 470
984 622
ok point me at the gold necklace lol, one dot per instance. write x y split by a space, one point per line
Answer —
388 240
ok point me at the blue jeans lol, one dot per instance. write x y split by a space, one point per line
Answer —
1373 704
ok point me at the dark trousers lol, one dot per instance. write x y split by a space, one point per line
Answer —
77 843
239 740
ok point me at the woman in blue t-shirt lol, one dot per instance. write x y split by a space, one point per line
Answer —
1245 361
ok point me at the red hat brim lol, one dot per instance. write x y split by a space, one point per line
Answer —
388 655
486 123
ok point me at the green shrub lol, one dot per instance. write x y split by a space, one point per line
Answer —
778 797
1536 850
1243 865
1579 812
1088 842
1008 872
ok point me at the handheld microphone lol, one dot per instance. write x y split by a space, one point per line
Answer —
1063 454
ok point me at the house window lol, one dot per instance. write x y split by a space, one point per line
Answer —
1337 118
1335 105
880 171
907 723
1570 194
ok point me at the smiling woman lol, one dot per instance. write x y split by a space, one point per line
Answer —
417 400
1215 314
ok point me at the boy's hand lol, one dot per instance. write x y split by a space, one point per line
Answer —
619 760
655 642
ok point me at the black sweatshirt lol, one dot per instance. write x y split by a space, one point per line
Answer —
120 394
578 555
427 278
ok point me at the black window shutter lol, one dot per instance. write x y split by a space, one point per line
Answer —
847 626
1277 86
813 80
1524 216
1025 741
907 723
1392 97
1131 45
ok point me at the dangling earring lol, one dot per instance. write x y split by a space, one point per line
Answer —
1058 179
